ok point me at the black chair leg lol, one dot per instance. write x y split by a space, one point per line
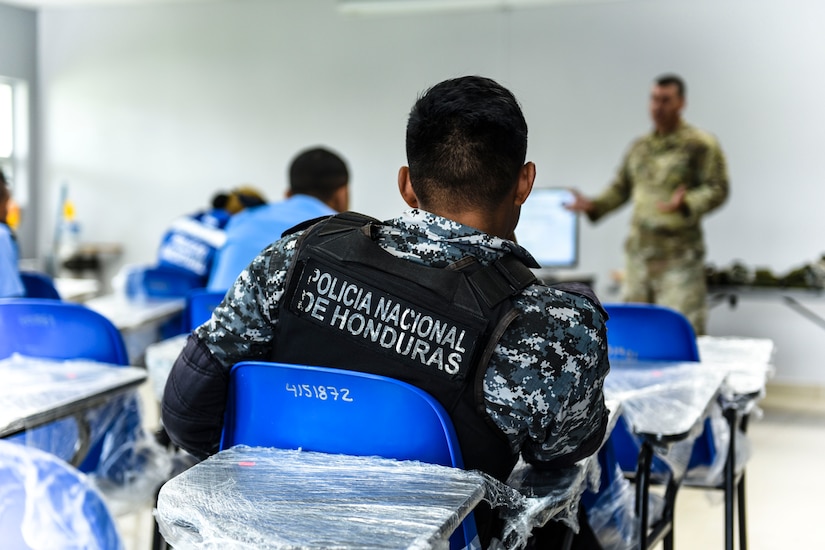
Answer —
743 530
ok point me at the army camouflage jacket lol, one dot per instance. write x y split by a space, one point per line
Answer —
542 387
651 171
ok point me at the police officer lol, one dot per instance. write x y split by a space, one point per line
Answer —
674 175
440 297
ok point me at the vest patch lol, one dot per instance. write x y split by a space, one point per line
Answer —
388 324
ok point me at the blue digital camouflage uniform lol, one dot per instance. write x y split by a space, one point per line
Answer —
664 252
543 385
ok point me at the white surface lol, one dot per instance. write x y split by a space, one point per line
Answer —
32 386
129 315
76 290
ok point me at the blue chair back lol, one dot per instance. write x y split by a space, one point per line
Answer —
339 411
161 282
199 306
39 285
653 333
47 503
649 332
58 330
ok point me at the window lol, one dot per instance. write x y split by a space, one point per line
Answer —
14 137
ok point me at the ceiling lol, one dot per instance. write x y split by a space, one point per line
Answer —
34 4
348 6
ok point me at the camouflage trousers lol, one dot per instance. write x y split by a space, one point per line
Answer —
678 283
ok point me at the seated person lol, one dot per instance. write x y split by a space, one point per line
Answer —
318 186
191 242
10 283
519 366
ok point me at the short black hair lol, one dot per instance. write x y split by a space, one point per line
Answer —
466 143
317 172
671 79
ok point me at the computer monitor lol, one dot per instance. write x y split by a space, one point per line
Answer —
548 230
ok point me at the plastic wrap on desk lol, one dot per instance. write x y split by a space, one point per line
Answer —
733 349
159 359
127 464
250 497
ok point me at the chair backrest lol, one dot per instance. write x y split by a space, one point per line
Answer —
58 330
48 504
199 306
652 333
39 285
339 411
649 332
161 282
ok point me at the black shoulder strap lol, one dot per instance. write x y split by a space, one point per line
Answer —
504 278
334 223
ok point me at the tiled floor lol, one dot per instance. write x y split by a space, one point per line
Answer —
785 486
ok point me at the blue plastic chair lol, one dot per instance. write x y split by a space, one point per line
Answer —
350 412
39 285
653 333
58 330
161 282
62 331
48 504
199 306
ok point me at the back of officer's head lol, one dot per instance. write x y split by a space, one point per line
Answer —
466 143
317 172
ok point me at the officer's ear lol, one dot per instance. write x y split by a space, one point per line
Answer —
527 176
405 187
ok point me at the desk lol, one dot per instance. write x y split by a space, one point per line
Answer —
314 500
76 290
664 403
159 359
748 362
139 321
38 391
268 498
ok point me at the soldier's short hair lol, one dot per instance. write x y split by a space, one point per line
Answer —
672 80
317 172
466 143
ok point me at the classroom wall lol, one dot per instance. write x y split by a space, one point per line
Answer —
149 110
18 60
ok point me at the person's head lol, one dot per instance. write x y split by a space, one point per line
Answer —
667 99
239 199
320 173
466 149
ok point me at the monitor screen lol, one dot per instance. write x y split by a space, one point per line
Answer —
547 230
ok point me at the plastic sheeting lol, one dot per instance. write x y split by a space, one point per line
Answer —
45 504
123 461
264 498
159 359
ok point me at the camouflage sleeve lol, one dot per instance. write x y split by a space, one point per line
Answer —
242 326
544 384
710 188
617 192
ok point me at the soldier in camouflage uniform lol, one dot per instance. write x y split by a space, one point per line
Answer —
542 386
674 176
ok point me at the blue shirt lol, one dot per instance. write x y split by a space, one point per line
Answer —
253 229
10 283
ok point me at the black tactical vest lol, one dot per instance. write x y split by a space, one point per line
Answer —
350 304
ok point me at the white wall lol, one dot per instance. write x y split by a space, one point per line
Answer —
148 110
